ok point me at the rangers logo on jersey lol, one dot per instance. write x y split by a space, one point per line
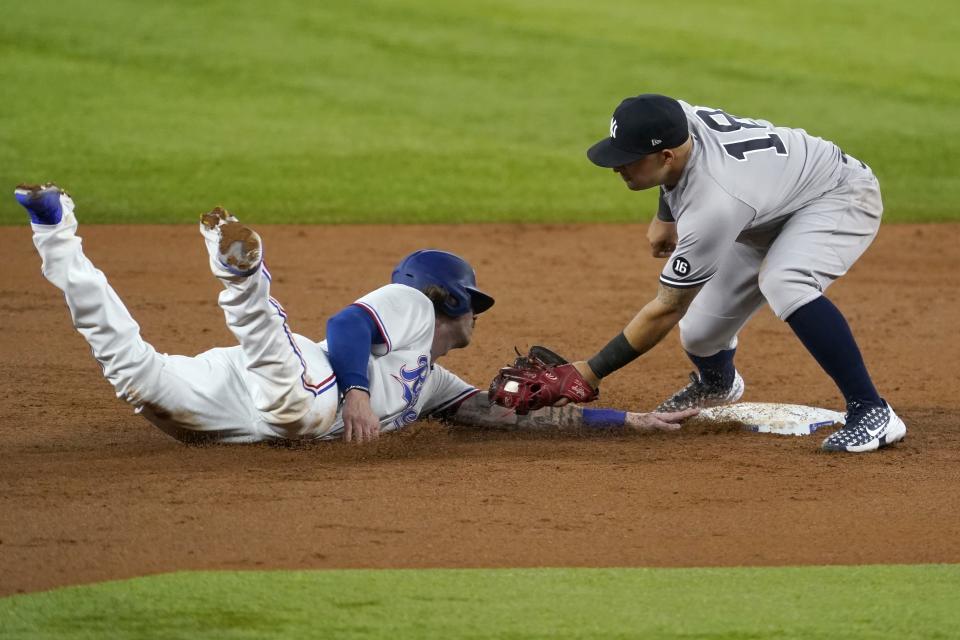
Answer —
412 383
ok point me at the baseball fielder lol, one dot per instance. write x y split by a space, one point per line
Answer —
375 372
750 213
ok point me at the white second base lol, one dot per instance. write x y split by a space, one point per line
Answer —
773 417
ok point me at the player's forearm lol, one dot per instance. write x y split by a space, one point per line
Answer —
478 412
651 325
641 334
658 317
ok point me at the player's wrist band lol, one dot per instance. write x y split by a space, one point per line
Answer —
600 418
356 386
618 353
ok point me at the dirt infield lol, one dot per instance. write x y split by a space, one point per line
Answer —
89 492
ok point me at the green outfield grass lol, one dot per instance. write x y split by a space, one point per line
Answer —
427 110
806 603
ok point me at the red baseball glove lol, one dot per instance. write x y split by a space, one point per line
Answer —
539 379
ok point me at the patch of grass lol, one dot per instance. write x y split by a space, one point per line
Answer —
431 111
804 603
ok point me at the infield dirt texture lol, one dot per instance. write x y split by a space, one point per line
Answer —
330 127
92 492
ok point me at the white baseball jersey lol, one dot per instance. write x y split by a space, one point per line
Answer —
743 177
404 383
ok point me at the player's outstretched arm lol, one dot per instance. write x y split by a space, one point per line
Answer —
654 321
477 411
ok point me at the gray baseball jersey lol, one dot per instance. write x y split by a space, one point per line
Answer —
744 176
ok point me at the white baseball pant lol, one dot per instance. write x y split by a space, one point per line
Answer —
260 390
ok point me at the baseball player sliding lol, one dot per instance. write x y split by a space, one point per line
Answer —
750 213
375 372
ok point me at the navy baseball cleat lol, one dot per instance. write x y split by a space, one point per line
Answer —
701 395
42 202
868 428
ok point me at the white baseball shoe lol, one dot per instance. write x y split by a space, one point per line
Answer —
232 246
867 428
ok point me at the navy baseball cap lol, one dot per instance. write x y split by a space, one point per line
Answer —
640 126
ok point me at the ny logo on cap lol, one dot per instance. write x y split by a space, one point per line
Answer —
613 127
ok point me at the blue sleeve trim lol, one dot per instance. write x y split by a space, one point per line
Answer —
604 418
350 334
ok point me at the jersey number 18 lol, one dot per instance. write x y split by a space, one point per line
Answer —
740 149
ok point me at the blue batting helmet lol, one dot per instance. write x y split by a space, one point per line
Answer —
428 267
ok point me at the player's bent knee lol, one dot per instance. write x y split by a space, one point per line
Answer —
705 345
787 309
707 349
786 290
706 336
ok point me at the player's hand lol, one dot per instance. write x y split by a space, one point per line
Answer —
663 237
360 423
659 421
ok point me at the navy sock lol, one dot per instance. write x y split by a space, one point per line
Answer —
716 370
825 333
